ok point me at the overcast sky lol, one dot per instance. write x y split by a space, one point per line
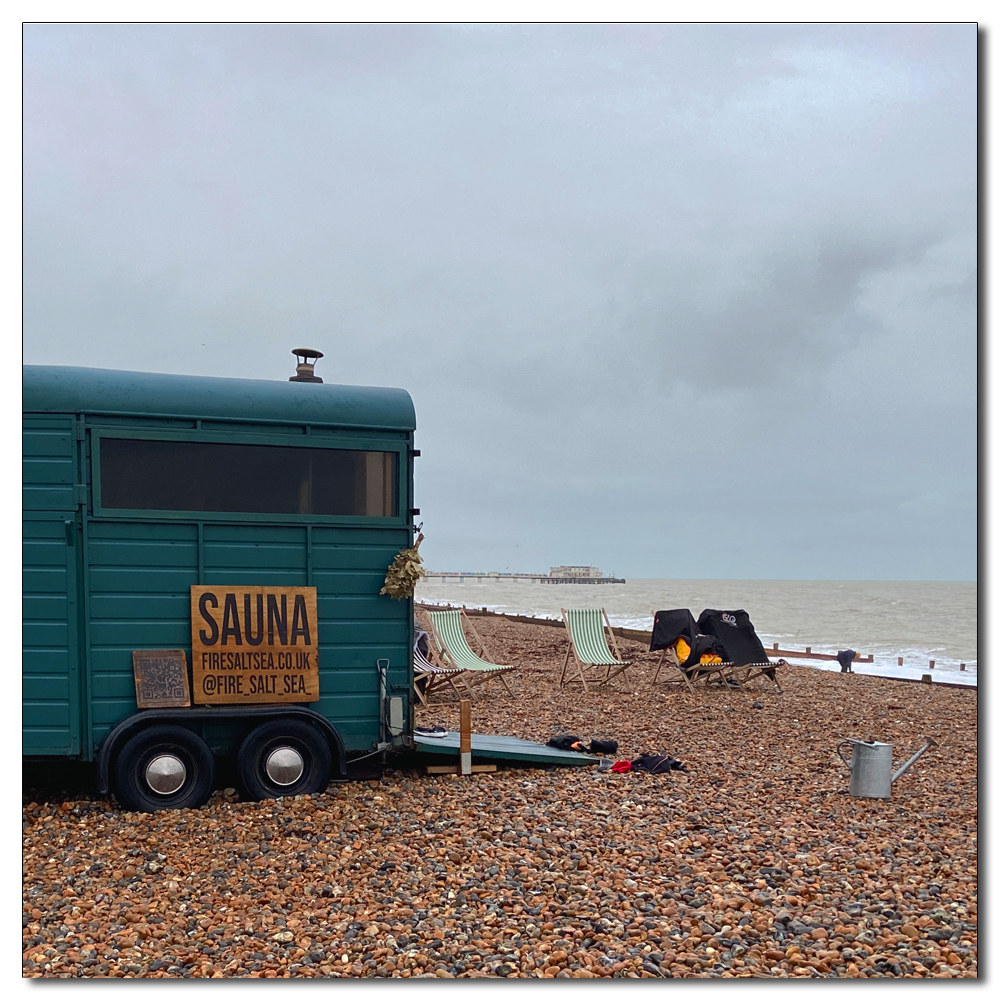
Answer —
676 301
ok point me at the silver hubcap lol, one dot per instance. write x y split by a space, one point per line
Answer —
284 766
165 774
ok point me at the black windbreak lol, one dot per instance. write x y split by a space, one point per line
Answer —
669 626
735 632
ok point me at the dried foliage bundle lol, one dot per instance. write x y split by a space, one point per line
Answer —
406 569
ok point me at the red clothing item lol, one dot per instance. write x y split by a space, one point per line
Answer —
621 766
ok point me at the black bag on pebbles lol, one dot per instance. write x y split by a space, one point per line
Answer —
567 742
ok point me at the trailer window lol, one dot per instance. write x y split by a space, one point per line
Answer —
246 478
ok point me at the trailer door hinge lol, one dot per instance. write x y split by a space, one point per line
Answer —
80 493
79 430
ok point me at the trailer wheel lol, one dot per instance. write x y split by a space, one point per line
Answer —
283 757
164 767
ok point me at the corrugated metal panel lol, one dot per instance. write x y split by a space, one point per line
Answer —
356 625
49 695
274 554
140 577
48 463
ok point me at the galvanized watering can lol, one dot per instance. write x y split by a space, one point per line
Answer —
871 767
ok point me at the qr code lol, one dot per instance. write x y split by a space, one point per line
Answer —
162 679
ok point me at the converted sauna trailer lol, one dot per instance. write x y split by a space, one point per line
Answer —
202 566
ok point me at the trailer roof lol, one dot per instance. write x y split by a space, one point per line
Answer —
60 389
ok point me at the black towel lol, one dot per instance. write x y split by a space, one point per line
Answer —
657 764
669 626
736 633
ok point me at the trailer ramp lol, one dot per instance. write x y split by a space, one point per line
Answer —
498 749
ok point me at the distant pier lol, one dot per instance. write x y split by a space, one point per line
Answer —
580 579
559 574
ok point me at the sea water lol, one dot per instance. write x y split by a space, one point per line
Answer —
917 621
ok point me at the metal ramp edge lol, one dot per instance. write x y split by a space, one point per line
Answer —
499 748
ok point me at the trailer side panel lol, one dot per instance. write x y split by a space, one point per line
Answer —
50 695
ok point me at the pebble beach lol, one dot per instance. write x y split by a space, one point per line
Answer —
754 863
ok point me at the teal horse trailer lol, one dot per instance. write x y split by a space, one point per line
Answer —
202 566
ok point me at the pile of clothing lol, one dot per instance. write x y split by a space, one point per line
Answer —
654 763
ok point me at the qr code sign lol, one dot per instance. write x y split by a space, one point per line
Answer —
161 678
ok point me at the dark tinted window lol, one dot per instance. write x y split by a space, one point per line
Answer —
246 478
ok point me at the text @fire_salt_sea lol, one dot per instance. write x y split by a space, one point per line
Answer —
254 645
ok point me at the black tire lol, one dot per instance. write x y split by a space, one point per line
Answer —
130 785
302 737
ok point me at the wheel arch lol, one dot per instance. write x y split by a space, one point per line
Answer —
119 735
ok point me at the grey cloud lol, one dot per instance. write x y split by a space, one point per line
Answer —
778 312
623 269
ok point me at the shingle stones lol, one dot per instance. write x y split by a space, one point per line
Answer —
754 863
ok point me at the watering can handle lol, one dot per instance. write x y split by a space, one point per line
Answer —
844 743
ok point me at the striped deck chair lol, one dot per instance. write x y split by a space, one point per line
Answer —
736 633
668 626
589 646
699 673
428 677
730 675
454 650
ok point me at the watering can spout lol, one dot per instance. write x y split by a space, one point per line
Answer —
927 745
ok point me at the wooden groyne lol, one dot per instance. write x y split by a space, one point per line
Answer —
807 652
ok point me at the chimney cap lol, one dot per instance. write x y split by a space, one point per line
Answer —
304 370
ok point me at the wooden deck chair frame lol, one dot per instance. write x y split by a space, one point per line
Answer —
700 673
436 677
582 667
471 679
751 671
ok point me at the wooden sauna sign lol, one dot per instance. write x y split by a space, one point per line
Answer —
254 645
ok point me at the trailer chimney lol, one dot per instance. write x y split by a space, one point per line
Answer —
304 370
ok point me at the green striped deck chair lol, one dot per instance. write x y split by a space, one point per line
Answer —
589 646
449 635
429 677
